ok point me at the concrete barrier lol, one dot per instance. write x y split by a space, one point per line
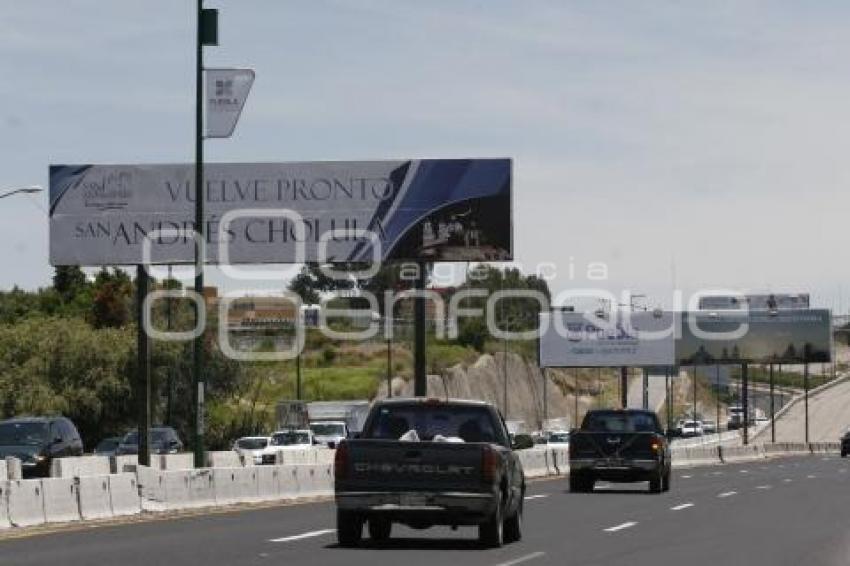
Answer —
61 500
224 459
14 469
176 483
732 454
151 488
175 461
533 462
26 503
314 481
268 482
235 485
124 495
123 464
4 474
4 505
94 497
288 481
201 488
79 466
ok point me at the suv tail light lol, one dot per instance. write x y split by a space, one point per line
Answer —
341 461
489 464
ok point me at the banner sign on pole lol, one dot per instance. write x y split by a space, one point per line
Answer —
634 339
333 212
226 92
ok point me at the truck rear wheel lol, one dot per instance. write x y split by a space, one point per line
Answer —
513 526
491 533
581 483
655 483
349 528
380 529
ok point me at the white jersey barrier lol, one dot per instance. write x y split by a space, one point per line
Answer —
61 500
4 474
4 505
94 497
79 466
124 495
26 503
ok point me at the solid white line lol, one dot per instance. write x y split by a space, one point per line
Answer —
728 494
303 536
532 497
522 559
682 506
628 525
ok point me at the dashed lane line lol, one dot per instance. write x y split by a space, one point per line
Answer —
522 559
727 494
303 536
682 506
763 487
533 497
620 527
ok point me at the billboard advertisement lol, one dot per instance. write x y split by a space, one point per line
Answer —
333 212
764 302
782 336
569 339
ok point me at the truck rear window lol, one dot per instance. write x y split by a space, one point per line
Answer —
619 422
451 423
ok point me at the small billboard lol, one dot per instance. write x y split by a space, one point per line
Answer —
779 336
763 302
635 339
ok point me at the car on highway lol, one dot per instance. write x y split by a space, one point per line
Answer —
426 462
252 448
329 433
558 438
107 446
163 440
36 441
691 429
709 427
624 445
845 444
736 418
287 440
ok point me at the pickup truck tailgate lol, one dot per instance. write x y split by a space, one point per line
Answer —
389 465
635 445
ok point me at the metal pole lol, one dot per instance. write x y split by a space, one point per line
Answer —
545 396
200 229
169 382
143 379
505 377
420 378
806 387
745 403
772 409
298 392
624 387
717 396
389 367
669 392
694 409
645 403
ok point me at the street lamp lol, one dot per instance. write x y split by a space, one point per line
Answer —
21 190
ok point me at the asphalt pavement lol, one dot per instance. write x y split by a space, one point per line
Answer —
790 511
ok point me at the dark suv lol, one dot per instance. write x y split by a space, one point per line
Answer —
36 441
164 440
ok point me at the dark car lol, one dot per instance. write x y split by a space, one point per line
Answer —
845 444
164 440
107 446
36 441
425 462
619 446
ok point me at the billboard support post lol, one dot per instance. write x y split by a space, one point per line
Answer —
806 388
772 409
694 409
624 387
545 396
575 399
745 403
143 372
645 403
717 397
298 391
169 379
420 378
668 390
389 366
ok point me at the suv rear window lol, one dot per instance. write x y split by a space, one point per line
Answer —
613 421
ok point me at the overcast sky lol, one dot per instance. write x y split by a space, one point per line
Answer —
706 141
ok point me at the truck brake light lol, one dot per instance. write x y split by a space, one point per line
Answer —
489 464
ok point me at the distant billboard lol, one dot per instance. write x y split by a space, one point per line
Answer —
570 339
767 301
781 336
334 212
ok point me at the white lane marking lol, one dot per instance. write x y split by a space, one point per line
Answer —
532 497
842 471
745 471
762 487
522 559
787 480
628 525
717 473
686 477
304 535
727 494
826 459
781 465
682 506
810 476
603 486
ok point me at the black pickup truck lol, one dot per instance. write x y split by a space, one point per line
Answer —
619 446
425 462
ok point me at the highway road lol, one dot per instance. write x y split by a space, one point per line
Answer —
792 511
829 418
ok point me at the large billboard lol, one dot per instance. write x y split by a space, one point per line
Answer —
781 336
569 339
766 301
333 212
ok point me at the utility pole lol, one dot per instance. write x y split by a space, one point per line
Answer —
772 409
624 387
298 392
143 380
420 377
717 395
389 366
745 403
645 402
169 380
806 387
